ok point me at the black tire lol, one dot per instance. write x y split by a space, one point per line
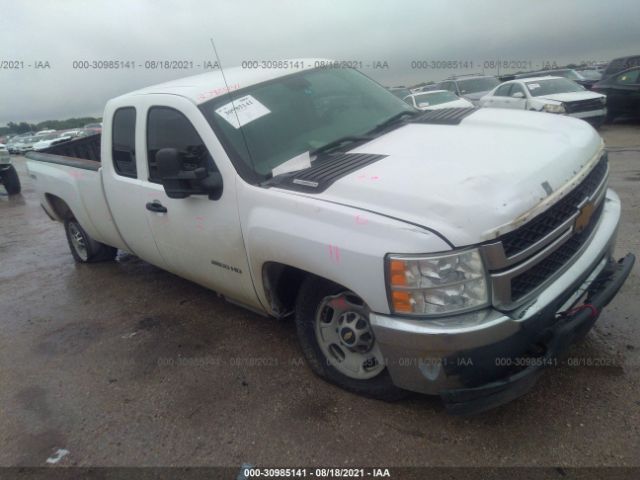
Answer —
313 292
11 181
84 248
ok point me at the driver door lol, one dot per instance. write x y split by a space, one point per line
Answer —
199 238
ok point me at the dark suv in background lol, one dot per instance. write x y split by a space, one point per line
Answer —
619 64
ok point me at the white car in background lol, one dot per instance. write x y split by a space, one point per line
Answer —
437 99
44 132
24 144
51 139
549 94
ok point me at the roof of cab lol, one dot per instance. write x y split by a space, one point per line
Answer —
203 87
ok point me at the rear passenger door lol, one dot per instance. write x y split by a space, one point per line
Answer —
124 182
499 98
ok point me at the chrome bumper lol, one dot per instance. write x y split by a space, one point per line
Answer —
432 356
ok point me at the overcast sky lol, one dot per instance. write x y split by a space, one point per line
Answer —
398 32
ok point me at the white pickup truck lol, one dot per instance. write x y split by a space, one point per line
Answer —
454 252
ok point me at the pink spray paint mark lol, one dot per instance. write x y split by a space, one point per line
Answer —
361 220
75 174
334 253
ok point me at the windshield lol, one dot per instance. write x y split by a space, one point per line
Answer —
540 88
291 115
435 98
400 92
474 85
570 74
590 74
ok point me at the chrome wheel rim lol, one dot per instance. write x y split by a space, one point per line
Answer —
78 242
345 336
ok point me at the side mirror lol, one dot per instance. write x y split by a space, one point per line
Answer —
518 95
179 183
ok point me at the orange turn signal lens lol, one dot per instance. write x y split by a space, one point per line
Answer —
397 270
401 301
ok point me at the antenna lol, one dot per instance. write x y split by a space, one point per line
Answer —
224 78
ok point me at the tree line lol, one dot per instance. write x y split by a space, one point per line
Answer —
24 127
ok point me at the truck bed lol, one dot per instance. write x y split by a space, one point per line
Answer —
69 175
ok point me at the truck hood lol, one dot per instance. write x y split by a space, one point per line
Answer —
473 181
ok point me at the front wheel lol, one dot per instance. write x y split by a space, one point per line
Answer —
338 342
11 181
84 248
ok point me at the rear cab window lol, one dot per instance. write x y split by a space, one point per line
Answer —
123 142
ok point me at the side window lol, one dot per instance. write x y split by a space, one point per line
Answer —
628 78
503 90
123 142
516 87
168 128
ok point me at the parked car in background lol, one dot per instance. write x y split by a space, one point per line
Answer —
400 92
51 139
471 87
8 175
569 73
16 139
44 132
623 93
591 74
620 64
549 94
93 126
25 144
436 100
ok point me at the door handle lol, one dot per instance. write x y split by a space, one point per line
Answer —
156 206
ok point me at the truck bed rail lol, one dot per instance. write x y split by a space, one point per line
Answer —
87 148
62 160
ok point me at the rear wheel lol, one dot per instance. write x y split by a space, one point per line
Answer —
338 342
84 248
11 181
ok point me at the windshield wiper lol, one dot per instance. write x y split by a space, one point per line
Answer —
370 135
391 120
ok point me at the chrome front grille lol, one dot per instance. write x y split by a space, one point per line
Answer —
524 260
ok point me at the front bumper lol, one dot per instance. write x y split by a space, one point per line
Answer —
483 359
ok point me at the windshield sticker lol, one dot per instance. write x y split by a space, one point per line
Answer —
533 86
247 109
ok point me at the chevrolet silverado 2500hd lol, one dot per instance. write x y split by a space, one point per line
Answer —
454 252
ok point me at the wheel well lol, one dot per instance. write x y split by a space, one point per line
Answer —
281 285
59 207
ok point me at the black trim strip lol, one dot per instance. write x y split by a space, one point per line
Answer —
324 171
444 116
66 161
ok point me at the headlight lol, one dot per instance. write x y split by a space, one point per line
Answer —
437 284
554 108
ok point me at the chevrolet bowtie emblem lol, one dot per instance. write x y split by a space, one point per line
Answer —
584 217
